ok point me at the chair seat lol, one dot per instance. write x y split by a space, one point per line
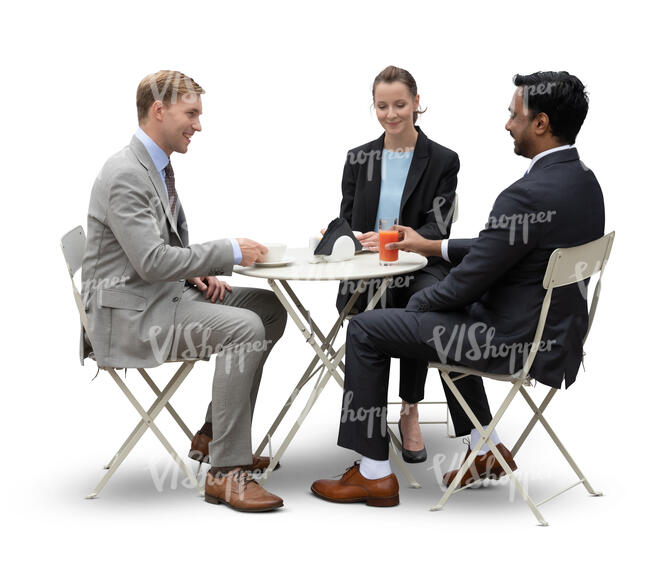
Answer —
468 370
105 367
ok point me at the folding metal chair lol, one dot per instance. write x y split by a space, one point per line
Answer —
565 266
397 444
73 245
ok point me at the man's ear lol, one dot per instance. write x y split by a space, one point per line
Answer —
541 123
157 110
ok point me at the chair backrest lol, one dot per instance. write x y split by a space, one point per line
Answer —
575 264
572 265
454 216
73 245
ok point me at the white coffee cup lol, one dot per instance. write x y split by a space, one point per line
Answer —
275 252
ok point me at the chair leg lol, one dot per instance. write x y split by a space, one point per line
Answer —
168 406
449 434
558 443
173 413
533 421
485 438
146 421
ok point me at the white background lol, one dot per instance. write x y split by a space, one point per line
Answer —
287 93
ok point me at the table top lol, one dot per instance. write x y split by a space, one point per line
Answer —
361 266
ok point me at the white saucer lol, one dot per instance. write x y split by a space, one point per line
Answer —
286 261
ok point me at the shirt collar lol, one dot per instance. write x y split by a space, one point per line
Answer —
547 152
158 156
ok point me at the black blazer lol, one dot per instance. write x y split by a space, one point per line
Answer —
496 288
428 195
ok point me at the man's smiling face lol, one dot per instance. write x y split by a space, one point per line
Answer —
180 121
520 125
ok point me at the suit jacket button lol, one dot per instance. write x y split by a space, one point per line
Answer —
175 299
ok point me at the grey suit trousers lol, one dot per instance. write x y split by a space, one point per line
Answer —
240 332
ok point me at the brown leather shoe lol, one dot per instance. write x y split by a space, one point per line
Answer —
484 466
199 451
354 487
240 491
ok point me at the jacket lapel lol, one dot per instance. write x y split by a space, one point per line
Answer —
418 166
144 158
373 171
181 225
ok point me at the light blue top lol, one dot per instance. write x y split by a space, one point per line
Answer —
160 161
394 170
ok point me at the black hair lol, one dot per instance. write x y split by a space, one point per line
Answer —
559 95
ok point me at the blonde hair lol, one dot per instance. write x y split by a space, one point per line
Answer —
165 86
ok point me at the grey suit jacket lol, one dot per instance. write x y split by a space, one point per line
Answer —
136 262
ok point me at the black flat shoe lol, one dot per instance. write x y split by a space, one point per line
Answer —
411 456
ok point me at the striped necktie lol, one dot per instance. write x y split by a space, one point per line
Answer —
171 188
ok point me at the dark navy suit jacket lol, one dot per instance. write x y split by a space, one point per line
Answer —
485 312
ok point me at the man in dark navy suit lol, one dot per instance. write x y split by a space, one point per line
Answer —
484 313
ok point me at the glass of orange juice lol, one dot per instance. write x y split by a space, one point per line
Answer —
387 235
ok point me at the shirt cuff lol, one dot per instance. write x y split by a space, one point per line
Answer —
443 250
236 251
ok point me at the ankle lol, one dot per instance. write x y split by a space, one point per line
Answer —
409 411
373 469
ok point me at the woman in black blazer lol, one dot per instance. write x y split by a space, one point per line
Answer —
373 176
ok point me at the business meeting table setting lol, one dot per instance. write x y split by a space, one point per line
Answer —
334 257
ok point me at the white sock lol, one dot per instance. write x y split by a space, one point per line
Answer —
475 437
372 469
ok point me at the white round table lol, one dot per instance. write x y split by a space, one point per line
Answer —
364 265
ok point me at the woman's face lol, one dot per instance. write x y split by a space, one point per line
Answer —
395 106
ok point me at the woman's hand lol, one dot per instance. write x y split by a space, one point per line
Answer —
410 240
369 240
212 288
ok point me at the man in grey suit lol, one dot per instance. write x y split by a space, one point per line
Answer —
150 296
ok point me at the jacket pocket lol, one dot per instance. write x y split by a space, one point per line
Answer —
108 298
